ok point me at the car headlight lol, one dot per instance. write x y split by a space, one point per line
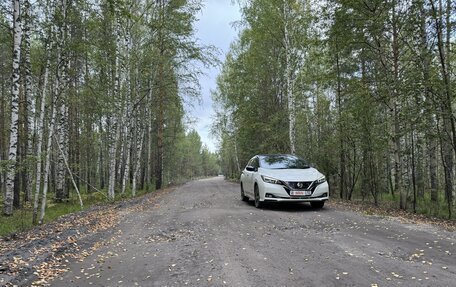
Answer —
268 179
320 180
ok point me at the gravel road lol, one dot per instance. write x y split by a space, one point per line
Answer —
202 234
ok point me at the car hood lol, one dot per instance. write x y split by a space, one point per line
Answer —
308 174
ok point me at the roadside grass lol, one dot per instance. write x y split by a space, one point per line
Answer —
426 211
21 220
424 205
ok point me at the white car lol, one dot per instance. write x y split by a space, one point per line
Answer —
283 178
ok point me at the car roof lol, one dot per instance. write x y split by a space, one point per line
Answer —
276 154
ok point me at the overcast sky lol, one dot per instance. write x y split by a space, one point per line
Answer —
213 28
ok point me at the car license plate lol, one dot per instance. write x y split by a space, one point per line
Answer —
301 192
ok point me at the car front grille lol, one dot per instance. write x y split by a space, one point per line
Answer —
299 185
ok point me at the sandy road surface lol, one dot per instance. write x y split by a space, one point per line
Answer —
202 234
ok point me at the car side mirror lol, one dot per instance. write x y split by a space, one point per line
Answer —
250 168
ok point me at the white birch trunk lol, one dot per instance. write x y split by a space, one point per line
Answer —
61 138
139 148
112 162
140 129
126 175
29 96
117 120
149 161
40 133
121 154
15 83
61 91
236 154
289 82
148 175
48 162
129 109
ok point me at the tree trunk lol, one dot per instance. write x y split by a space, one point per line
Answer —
40 135
62 135
139 148
289 83
160 138
449 92
71 174
126 174
29 97
116 121
342 192
3 135
102 171
236 156
148 166
412 136
448 138
61 194
430 136
149 160
396 114
161 100
113 160
47 168
15 84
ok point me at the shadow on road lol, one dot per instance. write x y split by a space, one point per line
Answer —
289 207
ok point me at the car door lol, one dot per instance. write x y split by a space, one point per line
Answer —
256 165
248 178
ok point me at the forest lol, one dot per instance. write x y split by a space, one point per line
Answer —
93 97
92 101
363 90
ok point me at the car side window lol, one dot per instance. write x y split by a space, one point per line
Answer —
256 163
250 162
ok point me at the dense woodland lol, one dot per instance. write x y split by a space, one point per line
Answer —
93 96
364 90
92 99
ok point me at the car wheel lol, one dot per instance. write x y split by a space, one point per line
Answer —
243 197
258 203
317 204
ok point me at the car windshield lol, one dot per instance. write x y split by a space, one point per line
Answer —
282 162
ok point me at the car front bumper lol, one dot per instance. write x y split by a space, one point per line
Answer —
278 193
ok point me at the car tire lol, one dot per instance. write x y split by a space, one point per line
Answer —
258 203
243 197
317 204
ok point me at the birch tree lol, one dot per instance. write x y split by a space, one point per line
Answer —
61 95
15 84
40 134
294 34
47 163
28 95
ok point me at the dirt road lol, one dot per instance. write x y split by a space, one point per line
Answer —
202 234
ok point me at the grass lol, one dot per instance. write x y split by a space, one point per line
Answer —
424 205
21 220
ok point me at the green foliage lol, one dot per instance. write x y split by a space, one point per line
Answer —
190 159
368 88
22 220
